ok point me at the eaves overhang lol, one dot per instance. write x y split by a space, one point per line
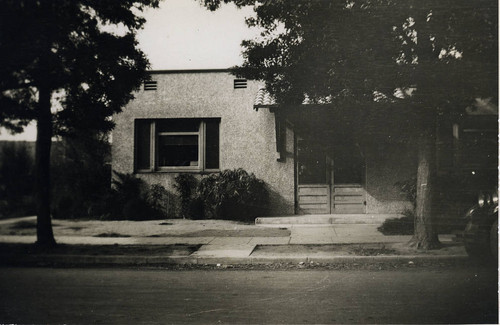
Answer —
264 99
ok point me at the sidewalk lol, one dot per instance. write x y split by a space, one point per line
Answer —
217 242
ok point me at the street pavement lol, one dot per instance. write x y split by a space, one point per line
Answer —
226 242
402 295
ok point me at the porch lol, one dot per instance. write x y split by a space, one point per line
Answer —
347 161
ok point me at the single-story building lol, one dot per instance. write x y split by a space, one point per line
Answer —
205 121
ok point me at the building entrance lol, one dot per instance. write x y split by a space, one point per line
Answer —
330 179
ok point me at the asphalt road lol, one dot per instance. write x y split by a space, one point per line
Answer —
132 296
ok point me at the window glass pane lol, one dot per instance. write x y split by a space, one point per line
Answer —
178 150
212 145
142 145
178 125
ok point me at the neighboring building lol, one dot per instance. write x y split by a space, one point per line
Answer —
205 121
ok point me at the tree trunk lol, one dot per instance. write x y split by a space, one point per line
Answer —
425 236
45 236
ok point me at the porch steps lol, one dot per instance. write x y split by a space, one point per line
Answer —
326 219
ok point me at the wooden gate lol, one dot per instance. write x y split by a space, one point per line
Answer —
330 186
348 199
325 199
314 198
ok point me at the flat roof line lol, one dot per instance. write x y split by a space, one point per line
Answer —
187 71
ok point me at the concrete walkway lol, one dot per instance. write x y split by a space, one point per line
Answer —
230 241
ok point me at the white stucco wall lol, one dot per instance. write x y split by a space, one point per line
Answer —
247 137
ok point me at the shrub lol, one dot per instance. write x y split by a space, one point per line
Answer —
129 198
186 184
133 199
195 209
16 180
81 178
233 194
63 207
409 188
160 201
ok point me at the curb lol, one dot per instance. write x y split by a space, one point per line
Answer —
112 260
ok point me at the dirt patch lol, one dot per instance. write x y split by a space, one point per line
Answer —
321 250
111 235
372 251
97 250
377 249
449 248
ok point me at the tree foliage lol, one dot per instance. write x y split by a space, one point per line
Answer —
360 50
69 65
83 50
385 60
16 179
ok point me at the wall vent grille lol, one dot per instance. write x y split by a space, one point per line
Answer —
150 85
240 83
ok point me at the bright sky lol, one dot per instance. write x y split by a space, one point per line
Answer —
182 34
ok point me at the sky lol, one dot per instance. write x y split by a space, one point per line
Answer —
182 34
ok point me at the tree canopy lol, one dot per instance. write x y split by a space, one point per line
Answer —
69 65
83 51
424 57
445 53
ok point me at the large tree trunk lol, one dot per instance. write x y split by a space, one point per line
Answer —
45 236
425 235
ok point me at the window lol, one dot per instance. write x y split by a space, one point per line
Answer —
177 144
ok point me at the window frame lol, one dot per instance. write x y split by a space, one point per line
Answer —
154 143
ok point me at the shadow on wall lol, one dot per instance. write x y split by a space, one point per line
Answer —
277 204
389 167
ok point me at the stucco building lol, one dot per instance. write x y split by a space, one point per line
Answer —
204 121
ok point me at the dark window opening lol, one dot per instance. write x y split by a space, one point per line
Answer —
177 150
349 165
178 125
212 145
165 144
143 144
311 164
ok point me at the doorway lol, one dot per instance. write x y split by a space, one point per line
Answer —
330 179
348 195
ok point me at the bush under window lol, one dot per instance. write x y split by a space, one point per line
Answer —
234 195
